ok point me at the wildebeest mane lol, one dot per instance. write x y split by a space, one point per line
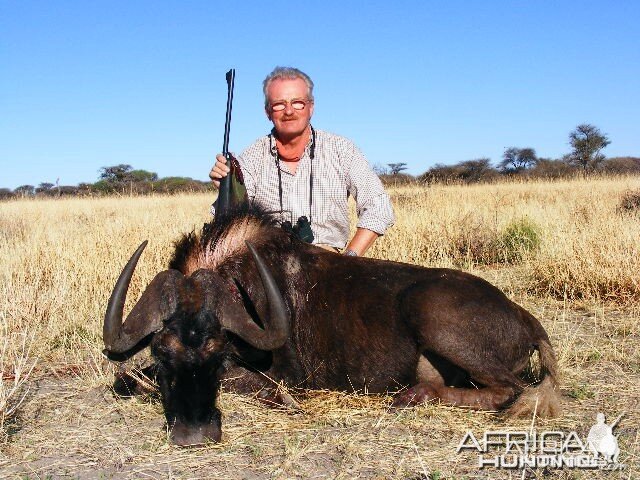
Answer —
225 236
243 213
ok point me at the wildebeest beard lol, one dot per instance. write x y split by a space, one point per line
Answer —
246 304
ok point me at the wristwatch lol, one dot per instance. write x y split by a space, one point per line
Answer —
350 253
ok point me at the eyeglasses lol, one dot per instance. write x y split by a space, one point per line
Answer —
296 104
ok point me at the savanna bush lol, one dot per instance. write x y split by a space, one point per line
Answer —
472 244
478 243
630 202
519 239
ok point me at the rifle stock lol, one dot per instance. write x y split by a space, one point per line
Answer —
224 193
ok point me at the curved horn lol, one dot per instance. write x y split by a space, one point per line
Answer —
277 328
115 307
159 301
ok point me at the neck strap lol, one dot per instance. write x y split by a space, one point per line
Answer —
312 154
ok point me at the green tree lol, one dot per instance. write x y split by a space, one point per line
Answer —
142 176
396 168
475 170
116 173
515 160
587 141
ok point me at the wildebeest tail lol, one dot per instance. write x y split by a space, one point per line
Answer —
542 399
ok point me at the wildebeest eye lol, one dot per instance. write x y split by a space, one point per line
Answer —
212 346
167 348
172 344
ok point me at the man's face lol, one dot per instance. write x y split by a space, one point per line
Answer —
289 123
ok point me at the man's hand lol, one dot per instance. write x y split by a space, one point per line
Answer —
219 170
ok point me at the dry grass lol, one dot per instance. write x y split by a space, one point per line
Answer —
588 249
61 258
16 365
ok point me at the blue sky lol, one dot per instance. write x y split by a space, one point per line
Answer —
90 84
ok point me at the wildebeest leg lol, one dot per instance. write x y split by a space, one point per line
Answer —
260 385
496 387
129 383
485 398
428 378
480 333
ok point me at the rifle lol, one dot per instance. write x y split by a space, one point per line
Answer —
232 191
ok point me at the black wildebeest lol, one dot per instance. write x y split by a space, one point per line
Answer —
247 302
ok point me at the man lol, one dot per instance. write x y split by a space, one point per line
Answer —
298 171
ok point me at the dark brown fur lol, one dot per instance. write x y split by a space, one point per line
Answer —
363 324
357 324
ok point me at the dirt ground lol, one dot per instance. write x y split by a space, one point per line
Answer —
72 425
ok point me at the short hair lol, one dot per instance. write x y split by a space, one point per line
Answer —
286 73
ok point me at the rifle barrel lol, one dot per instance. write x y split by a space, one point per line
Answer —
231 76
224 192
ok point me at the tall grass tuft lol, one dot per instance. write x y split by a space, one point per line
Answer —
519 239
16 365
630 202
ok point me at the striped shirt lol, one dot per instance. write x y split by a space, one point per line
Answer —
339 170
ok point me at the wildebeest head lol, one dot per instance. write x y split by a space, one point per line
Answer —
186 320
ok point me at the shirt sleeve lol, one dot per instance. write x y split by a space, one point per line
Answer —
373 204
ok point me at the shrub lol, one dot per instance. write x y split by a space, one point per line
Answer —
469 171
621 165
5 194
473 243
181 184
440 173
478 243
519 239
397 179
630 202
548 168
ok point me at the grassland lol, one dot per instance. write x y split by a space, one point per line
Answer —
565 250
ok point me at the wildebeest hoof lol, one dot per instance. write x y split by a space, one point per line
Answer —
278 399
414 396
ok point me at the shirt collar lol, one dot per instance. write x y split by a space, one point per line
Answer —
274 148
